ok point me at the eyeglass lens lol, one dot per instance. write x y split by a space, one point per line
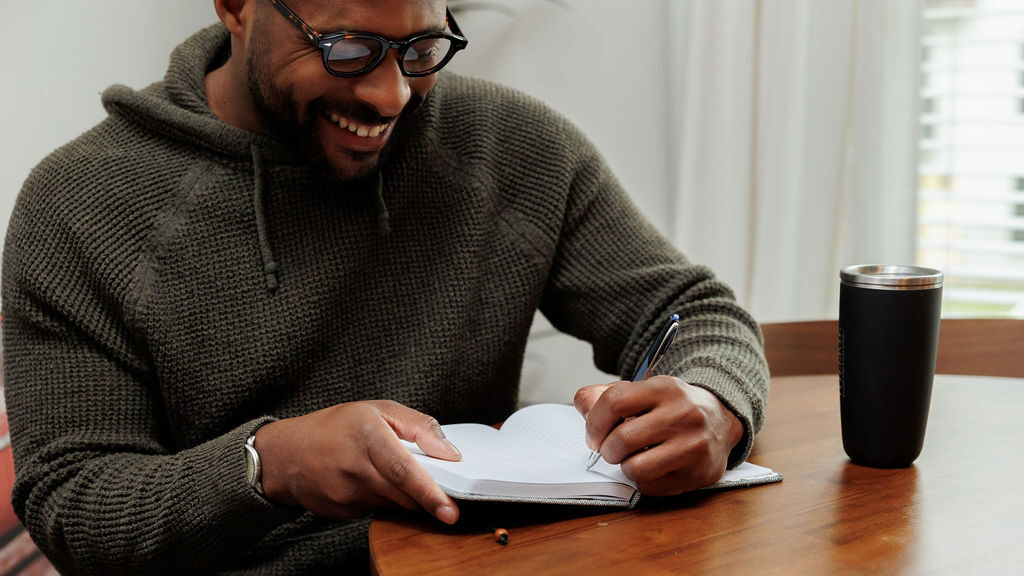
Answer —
357 53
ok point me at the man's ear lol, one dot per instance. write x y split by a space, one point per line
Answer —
234 14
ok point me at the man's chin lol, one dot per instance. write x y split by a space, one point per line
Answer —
350 166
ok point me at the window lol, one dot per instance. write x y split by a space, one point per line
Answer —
971 171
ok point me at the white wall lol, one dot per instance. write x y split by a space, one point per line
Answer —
61 54
600 62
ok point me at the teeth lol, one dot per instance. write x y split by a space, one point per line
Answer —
362 131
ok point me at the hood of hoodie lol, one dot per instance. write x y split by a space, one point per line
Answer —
177 108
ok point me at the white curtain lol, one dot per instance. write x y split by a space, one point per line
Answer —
796 142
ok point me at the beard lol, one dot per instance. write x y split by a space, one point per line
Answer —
299 126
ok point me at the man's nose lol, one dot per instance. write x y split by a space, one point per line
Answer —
385 87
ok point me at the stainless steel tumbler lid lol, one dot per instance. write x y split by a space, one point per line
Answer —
891 277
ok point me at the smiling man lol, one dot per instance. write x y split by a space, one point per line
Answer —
226 303
342 127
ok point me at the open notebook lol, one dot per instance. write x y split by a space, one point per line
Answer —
539 456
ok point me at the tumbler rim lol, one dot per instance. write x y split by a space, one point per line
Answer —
891 277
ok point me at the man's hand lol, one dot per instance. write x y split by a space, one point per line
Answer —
346 461
670 436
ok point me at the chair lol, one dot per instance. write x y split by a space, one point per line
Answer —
18 553
976 346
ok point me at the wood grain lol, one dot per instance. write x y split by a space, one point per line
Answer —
978 346
959 509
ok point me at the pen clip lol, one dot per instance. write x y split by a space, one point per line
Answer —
660 354
657 350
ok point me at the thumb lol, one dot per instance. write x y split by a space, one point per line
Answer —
587 396
414 426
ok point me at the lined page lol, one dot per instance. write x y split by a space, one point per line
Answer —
560 429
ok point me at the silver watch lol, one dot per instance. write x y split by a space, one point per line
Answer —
253 468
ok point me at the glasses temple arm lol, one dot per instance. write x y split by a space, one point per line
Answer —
452 25
292 17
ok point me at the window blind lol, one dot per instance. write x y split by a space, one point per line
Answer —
971 167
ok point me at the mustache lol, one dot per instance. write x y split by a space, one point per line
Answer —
363 112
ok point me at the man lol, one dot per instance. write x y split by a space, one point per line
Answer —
300 247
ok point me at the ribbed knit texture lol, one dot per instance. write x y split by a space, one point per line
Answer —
170 282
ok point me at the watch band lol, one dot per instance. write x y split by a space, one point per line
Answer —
253 466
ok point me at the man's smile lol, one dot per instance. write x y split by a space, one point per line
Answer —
361 130
357 136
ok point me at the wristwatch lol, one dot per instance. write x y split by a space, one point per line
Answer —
253 468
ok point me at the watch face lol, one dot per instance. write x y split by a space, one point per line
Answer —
250 464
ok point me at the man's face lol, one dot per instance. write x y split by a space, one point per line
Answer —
341 124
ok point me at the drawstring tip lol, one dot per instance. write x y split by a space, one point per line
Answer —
270 275
269 266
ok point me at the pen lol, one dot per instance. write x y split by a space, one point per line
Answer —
647 365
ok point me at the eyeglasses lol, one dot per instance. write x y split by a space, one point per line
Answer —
349 54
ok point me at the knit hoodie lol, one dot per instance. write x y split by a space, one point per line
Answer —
170 282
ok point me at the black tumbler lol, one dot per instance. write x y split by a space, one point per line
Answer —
888 338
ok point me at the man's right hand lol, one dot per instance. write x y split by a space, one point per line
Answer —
346 461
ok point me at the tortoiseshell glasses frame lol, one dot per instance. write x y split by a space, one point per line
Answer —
351 54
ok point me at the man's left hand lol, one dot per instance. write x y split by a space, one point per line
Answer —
669 436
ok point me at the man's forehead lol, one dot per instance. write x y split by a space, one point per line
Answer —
371 15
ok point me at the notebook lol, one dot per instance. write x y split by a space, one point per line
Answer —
539 456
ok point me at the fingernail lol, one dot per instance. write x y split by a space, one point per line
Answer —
447 514
456 450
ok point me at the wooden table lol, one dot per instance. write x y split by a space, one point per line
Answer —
958 510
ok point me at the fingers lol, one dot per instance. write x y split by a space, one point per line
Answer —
672 436
661 413
683 463
634 435
408 484
676 482
682 456
586 397
401 470
346 461
414 426
616 403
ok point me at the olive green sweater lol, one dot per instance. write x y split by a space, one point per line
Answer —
170 282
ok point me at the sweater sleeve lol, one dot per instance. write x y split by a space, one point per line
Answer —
102 485
615 279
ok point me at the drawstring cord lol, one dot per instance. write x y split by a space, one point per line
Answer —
383 218
269 265
259 190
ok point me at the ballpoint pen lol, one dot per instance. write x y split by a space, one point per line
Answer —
647 365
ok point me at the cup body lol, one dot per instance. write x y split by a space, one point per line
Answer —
888 339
